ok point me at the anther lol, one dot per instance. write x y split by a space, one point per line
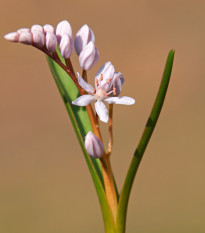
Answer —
97 82
109 80
101 77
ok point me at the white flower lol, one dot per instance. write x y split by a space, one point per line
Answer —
104 88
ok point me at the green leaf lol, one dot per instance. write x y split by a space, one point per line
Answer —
81 123
152 120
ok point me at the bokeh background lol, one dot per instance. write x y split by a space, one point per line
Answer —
45 185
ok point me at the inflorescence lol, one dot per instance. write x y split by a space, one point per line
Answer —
108 83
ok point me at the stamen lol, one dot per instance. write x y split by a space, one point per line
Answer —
101 77
114 91
97 82
109 80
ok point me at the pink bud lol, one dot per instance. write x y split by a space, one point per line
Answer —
23 30
89 56
51 42
83 37
63 28
66 46
48 28
26 38
13 37
93 145
36 27
38 38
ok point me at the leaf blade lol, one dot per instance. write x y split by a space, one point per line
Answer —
138 154
81 123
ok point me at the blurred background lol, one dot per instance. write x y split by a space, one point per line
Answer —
45 185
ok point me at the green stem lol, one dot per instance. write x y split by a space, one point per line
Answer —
152 120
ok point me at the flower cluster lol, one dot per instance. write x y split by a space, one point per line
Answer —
108 83
47 37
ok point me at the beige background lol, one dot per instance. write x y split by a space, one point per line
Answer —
45 185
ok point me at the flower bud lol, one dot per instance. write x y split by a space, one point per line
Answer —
51 42
26 38
83 37
24 30
63 28
48 28
93 145
36 27
13 37
89 56
38 38
66 46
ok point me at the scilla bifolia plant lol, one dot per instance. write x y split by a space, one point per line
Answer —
75 90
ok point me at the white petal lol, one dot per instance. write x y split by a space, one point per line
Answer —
51 42
48 28
63 28
36 27
38 38
93 145
66 46
24 30
88 56
13 37
101 110
83 100
107 70
83 37
26 38
120 100
87 87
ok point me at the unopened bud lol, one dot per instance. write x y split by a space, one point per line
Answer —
48 28
89 56
63 28
51 42
24 30
117 82
93 145
26 38
36 27
66 46
38 38
83 37
13 37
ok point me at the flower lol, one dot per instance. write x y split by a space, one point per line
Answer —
93 145
103 91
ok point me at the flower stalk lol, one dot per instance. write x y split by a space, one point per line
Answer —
110 125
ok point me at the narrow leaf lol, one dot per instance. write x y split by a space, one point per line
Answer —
152 120
81 123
